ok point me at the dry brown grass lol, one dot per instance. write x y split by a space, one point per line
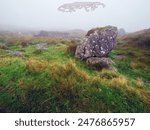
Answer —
14 39
139 65
72 49
36 65
119 81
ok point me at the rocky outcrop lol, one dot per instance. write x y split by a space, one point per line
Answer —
97 43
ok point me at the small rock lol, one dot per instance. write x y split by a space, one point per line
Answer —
14 53
99 63
41 46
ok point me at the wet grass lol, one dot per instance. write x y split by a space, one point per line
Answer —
54 81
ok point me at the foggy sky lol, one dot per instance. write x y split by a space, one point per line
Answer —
132 15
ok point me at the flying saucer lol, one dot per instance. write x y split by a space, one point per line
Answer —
73 7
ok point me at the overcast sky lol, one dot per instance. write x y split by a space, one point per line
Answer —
132 15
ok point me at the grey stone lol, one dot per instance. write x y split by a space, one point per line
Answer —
97 43
41 46
99 63
14 53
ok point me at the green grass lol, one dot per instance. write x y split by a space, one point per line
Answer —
54 81
138 57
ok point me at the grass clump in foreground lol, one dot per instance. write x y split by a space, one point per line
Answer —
53 81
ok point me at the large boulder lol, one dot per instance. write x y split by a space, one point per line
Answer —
97 43
99 63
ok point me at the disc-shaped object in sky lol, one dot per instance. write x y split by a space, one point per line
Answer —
72 7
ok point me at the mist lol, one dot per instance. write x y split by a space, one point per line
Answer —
132 15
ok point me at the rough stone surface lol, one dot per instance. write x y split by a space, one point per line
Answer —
97 43
99 63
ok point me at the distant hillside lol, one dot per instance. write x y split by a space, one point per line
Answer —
138 39
61 34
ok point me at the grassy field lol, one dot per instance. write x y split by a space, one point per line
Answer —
54 81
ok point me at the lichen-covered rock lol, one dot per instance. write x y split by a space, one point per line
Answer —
97 43
99 63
